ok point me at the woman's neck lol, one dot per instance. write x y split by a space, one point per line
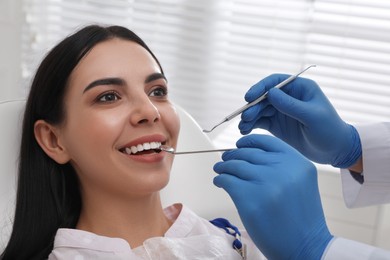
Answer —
133 220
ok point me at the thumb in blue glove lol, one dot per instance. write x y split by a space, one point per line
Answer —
276 193
302 116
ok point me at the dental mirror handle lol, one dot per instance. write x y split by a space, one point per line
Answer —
171 150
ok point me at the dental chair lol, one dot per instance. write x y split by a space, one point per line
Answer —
190 182
11 120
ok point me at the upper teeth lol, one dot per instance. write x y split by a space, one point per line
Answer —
142 147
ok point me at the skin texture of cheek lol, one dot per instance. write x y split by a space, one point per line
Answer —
172 121
100 166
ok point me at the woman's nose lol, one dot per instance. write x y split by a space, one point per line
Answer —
144 112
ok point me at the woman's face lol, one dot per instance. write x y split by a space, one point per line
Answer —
116 105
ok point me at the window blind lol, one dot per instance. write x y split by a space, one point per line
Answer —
49 21
213 51
349 40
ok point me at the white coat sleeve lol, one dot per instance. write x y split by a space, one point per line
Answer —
375 190
375 139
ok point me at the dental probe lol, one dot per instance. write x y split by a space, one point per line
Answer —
258 100
171 150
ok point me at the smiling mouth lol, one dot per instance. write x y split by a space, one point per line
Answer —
140 149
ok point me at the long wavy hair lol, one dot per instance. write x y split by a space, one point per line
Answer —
48 196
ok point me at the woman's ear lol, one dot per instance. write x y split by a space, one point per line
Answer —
47 137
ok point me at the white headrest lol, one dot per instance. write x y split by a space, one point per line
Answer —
192 175
11 113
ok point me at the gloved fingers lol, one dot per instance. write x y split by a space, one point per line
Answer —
263 85
268 111
226 181
300 99
251 155
241 169
253 112
262 120
288 105
259 110
264 142
232 185
246 128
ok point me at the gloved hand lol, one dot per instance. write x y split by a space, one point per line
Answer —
302 116
276 193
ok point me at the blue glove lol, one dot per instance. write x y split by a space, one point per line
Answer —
302 116
276 193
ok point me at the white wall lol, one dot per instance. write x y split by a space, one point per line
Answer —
10 49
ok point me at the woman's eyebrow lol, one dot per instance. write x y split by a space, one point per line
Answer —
121 82
155 76
105 81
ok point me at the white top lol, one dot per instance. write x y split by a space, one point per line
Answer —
189 237
375 141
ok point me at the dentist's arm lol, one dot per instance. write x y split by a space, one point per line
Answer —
276 193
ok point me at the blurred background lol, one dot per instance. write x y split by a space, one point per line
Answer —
212 51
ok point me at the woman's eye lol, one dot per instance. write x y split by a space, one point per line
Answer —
108 97
159 92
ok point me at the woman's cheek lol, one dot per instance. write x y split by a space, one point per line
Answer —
173 124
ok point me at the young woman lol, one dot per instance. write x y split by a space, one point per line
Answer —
90 171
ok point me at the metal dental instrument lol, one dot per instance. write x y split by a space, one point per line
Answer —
171 150
261 98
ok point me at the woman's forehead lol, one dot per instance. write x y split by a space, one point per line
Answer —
118 50
113 57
